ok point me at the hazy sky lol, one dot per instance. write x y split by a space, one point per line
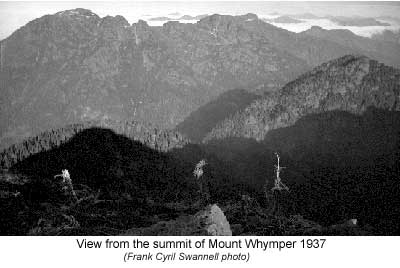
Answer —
16 14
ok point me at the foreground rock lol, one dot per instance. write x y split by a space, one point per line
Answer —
210 221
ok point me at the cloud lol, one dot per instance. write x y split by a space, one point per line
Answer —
328 24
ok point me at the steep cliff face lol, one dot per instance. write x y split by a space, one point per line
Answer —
75 66
350 83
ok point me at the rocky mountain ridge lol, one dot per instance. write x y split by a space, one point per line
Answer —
350 83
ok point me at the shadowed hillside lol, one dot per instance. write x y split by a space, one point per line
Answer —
201 121
120 184
347 166
101 159
339 166
161 140
134 180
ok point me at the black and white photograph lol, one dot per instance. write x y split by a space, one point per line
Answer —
199 118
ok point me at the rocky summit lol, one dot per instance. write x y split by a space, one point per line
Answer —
350 83
74 66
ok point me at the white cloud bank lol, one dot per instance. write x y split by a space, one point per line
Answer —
327 24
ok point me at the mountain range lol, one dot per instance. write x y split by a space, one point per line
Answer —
74 66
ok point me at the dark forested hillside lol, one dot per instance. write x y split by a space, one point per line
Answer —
161 140
338 166
350 83
133 179
119 184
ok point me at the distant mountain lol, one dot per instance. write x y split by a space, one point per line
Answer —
357 21
160 19
183 17
305 16
286 19
388 36
389 18
74 66
202 16
350 83
387 52
201 121
188 17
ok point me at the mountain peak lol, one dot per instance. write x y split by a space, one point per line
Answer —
77 12
225 20
118 20
142 24
318 31
346 61
249 16
316 28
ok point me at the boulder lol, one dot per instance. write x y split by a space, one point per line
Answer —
209 221
213 220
